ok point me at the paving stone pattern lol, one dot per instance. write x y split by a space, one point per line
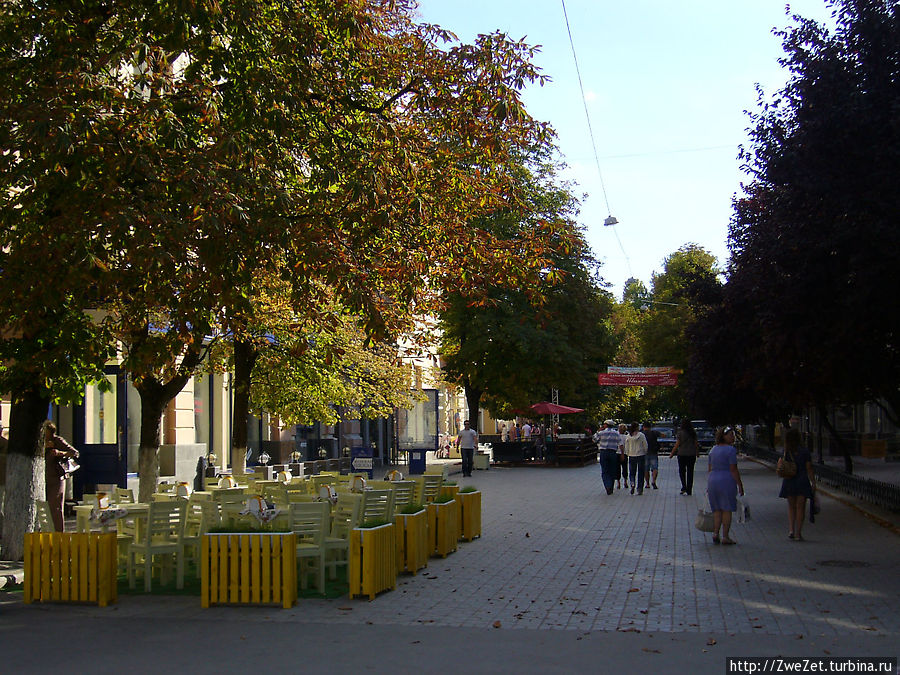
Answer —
558 553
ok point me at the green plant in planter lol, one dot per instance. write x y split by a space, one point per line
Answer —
244 529
410 509
469 488
443 499
374 522
449 483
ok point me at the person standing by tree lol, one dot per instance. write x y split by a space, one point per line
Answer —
56 452
652 467
686 449
466 443
636 449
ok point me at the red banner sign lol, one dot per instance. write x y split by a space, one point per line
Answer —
637 380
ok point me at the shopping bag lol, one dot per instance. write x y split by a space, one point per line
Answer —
743 510
704 521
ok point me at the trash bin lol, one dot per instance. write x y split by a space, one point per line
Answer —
417 462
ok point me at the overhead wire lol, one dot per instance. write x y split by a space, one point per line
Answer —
593 141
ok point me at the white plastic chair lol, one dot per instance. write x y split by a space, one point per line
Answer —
310 522
162 536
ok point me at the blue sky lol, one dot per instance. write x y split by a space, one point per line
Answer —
667 84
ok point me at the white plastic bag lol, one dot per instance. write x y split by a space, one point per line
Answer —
704 521
743 509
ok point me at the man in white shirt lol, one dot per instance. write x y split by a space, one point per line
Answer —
466 443
526 432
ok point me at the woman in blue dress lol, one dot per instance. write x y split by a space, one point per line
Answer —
723 483
799 488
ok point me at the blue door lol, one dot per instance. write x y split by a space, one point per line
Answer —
99 430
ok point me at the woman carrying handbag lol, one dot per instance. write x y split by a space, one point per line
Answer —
57 454
800 486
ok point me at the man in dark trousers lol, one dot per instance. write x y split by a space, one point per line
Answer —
652 437
466 442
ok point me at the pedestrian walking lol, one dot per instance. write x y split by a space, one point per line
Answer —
607 440
636 450
652 469
686 449
801 486
57 452
623 459
723 483
466 443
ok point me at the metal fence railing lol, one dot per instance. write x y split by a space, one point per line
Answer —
886 495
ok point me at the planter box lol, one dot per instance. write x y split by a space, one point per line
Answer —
443 528
373 560
469 515
63 567
412 541
253 568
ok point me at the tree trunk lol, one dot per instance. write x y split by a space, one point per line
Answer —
152 407
245 355
770 432
155 396
24 470
473 401
842 445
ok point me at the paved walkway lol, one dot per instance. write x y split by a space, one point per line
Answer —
561 567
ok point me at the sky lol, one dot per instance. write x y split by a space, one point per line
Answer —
667 85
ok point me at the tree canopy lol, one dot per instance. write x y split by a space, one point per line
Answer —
814 237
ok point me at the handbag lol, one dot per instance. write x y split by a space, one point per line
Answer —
68 466
786 466
704 521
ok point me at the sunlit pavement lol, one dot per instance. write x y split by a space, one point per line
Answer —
563 565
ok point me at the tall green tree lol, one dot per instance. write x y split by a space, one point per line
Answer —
814 237
508 346
687 283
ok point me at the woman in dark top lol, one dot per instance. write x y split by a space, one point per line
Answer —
686 449
799 488
56 450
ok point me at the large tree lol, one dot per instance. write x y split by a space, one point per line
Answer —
508 345
814 238
687 283
171 151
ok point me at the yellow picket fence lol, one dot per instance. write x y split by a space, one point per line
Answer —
253 568
373 560
470 515
69 567
412 540
443 527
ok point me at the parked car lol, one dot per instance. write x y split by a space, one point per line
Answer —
706 434
666 431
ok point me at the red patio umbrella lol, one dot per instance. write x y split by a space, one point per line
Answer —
548 408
